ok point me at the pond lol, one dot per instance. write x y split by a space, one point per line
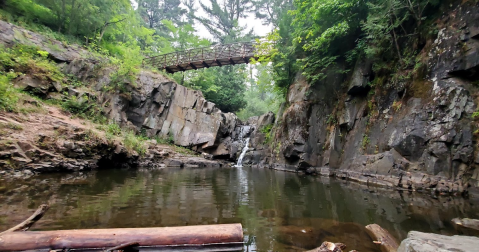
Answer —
279 211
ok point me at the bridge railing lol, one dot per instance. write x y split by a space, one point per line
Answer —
212 53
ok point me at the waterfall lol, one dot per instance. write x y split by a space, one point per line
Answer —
240 159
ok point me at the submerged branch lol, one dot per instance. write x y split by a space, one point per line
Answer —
28 223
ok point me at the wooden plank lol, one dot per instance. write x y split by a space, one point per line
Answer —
107 238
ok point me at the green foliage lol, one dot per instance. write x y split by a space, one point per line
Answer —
278 48
133 142
224 86
8 95
75 105
323 31
155 12
475 115
184 150
84 107
24 59
113 128
221 19
127 70
262 95
271 11
365 142
267 131
317 34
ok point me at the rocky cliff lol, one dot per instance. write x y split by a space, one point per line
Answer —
417 134
153 105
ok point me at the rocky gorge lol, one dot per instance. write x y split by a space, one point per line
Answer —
418 135
412 134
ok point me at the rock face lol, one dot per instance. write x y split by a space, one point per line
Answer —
425 242
154 105
417 136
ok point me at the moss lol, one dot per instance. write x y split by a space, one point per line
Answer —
420 89
21 36
397 105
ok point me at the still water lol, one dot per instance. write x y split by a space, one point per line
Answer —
279 211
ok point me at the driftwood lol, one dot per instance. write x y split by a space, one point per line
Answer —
28 223
382 237
466 222
199 236
329 247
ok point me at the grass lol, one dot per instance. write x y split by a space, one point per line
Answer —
184 150
11 125
136 143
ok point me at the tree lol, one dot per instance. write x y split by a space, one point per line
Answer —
229 97
261 95
385 24
270 11
225 85
154 12
222 19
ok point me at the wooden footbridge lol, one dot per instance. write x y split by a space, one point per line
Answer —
218 55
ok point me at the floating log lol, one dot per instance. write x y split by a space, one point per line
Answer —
107 238
382 237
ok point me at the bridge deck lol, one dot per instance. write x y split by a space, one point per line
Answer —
219 55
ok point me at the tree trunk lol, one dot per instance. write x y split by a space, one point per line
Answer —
199 236
61 17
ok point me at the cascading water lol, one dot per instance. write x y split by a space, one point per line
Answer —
243 153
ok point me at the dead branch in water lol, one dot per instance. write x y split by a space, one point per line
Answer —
382 237
28 223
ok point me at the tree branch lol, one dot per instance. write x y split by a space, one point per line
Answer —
28 223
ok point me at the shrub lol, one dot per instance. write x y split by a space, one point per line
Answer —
75 105
266 130
114 129
8 95
134 143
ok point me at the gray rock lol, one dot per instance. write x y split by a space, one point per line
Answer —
360 80
426 242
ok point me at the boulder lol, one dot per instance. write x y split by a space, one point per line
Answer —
426 242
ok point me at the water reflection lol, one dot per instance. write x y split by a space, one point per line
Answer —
279 211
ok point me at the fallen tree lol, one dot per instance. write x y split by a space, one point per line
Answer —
191 236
